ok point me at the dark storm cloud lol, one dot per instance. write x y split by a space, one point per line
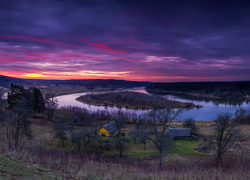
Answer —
140 37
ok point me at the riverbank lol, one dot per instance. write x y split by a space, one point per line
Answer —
223 90
199 95
132 100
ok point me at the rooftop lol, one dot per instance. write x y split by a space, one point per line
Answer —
111 127
176 132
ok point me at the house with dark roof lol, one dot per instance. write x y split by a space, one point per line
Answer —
109 129
181 133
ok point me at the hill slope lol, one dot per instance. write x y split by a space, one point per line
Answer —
6 81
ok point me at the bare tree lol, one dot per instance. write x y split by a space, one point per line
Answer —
140 131
16 117
60 129
162 119
51 104
91 141
119 140
190 123
240 113
17 124
74 121
2 105
242 116
226 134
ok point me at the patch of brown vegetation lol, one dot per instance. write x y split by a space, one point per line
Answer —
82 166
132 100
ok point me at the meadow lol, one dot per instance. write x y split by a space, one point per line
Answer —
44 157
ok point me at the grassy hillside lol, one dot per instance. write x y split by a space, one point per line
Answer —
181 162
11 168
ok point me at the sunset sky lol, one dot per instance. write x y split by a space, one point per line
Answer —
143 40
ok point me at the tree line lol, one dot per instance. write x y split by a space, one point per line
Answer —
6 81
238 89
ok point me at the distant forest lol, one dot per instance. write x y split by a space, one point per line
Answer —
239 89
6 81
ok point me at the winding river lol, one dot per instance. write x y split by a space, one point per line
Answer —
209 112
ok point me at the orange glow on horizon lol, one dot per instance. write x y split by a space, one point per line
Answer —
32 75
128 77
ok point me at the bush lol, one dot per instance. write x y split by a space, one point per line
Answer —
242 116
190 123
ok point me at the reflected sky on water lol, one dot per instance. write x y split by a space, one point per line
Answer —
211 108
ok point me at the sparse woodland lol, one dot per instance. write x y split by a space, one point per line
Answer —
62 143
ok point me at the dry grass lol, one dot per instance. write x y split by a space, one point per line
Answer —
61 89
86 166
67 89
80 166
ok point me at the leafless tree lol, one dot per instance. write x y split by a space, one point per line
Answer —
242 116
17 124
119 140
60 129
51 104
140 131
226 134
2 105
190 123
15 117
162 119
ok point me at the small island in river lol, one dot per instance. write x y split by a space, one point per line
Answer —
132 100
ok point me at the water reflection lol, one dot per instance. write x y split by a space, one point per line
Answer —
211 108
4 96
69 100
215 101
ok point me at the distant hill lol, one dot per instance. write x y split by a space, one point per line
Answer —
6 81
236 89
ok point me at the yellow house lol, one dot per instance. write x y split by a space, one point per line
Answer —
109 129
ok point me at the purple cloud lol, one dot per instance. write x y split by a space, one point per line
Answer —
126 39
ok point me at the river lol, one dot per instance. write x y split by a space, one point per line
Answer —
211 108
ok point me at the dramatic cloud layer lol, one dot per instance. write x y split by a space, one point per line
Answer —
146 40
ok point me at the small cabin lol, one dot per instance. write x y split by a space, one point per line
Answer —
109 129
181 133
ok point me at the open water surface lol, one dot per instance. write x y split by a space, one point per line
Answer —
211 108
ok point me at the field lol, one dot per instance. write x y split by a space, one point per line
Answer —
44 157
3 89
67 89
11 168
